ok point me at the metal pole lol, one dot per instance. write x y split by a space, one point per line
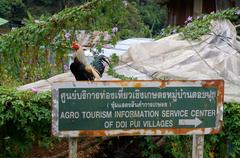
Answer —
198 146
72 147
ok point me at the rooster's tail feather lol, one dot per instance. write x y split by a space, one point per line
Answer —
93 71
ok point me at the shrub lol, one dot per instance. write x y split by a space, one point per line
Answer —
25 119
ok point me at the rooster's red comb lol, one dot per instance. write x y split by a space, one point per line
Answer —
75 46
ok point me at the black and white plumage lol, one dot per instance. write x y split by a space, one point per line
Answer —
82 71
99 63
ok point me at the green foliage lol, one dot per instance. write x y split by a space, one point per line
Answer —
134 22
25 119
17 9
30 48
150 149
179 146
114 62
225 144
169 30
153 14
8 7
200 26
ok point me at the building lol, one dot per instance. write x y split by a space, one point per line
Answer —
179 10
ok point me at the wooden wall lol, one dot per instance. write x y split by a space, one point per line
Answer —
179 10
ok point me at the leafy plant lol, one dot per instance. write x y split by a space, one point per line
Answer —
153 14
25 119
8 8
179 146
225 144
169 30
201 25
114 62
35 45
150 149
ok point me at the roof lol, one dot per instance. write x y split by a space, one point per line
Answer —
3 21
122 46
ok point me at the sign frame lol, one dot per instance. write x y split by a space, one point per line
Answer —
218 84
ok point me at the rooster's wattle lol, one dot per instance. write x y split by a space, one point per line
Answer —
81 70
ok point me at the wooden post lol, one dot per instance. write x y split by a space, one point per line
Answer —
72 147
198 146
197 7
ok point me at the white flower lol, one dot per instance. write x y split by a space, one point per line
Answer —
125 3
114 29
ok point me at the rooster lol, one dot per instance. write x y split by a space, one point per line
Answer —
83 71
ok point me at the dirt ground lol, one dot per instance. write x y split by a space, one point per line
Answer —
91 147
87 148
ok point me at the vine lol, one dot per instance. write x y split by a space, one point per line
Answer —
199 26
39 50
112 72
